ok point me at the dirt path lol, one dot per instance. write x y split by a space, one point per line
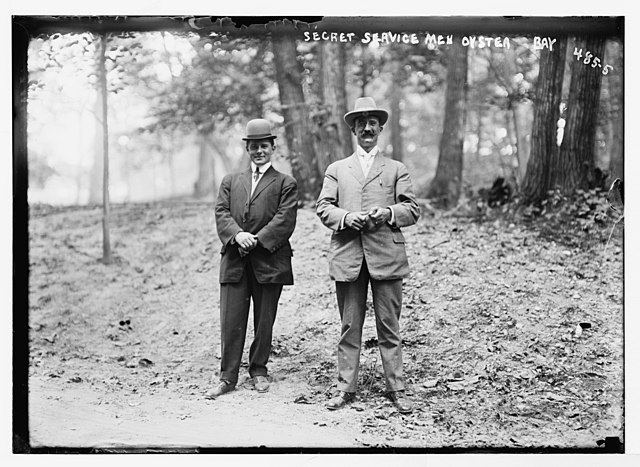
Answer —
120 356
75 403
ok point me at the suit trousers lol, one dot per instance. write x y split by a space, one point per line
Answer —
352 304
234 315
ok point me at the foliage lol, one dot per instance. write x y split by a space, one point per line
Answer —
509 77
212 83
226 81
61 53
583 217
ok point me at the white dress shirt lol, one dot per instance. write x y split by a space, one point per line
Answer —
263 169
366 158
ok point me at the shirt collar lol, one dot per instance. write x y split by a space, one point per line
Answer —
361 152
263 168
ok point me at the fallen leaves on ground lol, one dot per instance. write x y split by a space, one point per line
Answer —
510 338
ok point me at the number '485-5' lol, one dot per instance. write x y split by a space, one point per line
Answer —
588 59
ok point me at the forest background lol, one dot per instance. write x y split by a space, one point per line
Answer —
178 102
173 134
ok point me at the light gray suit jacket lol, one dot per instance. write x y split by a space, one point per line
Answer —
345 189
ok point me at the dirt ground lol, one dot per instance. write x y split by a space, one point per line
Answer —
511 339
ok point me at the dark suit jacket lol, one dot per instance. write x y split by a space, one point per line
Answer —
270 214
346 189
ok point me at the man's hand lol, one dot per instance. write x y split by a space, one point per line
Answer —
355 220
379 215
246 241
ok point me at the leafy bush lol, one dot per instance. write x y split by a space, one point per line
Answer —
585 216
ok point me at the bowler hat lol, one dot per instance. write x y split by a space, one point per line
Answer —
364 107
258 128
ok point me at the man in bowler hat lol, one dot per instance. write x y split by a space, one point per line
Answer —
255 216
365 199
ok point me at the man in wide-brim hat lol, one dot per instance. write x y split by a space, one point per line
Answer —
255 216
365 199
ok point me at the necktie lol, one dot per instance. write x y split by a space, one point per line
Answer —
256 174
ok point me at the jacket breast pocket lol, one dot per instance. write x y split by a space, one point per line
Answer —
397 236
387 187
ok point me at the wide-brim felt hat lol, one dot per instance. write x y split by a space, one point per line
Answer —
364 107
258 128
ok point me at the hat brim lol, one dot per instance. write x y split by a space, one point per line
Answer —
350 117
254 137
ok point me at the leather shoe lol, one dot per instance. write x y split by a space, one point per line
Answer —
261 383
222 388
401 401
342 399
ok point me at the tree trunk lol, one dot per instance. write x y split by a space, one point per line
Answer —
577 154
512 136
168 150
334 93
523 115
616 96
298 128
206 177
332 135
79 170
543 160
107 258
226 163
364 72
479 130
96 175
447 183
395 96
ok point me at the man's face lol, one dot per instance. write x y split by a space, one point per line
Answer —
367 130
260 150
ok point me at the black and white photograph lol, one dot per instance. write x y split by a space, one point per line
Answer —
319 234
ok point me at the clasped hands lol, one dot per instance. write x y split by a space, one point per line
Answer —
246 242
371 218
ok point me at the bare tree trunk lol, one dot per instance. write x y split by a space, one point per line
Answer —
107 257
298 128
577 154
395 96
522 113
79 171
332 137
334 93
126 169
616 124
206 176
96 174
543 161
168 149
215 145
364 73
447 183
480 128
512 136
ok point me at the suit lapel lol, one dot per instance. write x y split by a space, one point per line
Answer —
376 168
245 179
267 179
355 168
